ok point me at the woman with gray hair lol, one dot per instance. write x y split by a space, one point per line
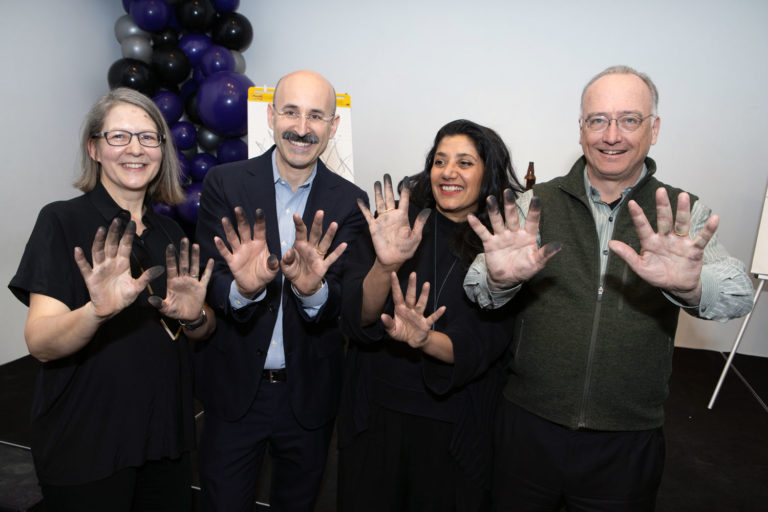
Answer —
112 419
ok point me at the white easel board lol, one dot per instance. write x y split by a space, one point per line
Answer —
337 156
760 258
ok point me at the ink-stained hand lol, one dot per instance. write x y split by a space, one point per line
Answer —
393 238
110 284
669 258
306 263
409 323
185 287
249 259
512 253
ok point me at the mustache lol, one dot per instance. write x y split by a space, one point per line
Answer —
309 138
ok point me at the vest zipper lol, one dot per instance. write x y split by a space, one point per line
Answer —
582 423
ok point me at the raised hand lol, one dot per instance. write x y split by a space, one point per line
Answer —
306 263
110 284
250 261
393 239
185 289
669 259
409 323
512 253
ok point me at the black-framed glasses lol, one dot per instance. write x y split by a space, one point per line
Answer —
627 122
123 138
294 115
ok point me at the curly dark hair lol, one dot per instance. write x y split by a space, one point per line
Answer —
498 174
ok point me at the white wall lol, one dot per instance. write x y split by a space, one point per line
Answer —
410 67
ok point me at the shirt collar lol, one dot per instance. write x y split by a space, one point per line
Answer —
109 209
594 195
276 174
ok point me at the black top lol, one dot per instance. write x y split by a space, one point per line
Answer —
391 374
126 397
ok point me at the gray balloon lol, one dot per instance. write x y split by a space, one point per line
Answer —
125 27
137 47
239 62
208 140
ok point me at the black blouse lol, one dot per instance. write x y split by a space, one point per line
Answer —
126 397
391 374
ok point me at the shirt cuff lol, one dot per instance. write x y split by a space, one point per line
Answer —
709 295
313 303
477 289
237 301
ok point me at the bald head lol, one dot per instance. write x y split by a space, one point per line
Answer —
307 81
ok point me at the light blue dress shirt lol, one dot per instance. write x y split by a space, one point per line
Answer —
288 203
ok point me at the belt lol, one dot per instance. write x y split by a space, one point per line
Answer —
273 376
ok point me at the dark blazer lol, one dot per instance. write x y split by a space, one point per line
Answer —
228 366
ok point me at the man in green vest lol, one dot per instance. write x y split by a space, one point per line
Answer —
599 262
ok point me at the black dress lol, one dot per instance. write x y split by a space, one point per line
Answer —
386 374
126 397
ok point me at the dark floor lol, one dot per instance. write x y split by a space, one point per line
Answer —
717 460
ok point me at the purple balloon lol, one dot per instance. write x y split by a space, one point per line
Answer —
217 58
225 5
232 150
222 103
194 45
127 5
187 209
150 15
170 106
184 135
200 165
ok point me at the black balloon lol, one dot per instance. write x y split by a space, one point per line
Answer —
195 15
171 65
134 74
166 37
190 108
232 30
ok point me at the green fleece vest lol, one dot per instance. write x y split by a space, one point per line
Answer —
588 354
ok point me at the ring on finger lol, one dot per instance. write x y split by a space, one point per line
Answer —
679 233
318 251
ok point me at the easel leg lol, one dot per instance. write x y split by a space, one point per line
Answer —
735 346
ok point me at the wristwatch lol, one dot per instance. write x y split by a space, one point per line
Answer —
194 325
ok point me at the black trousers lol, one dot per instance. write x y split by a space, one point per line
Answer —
402 463
156 486
542 466
231 455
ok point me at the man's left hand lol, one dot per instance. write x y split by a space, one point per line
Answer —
669 259
306 263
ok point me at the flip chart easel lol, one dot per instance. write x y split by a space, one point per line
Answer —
760 269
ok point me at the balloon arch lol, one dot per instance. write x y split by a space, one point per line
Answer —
187 56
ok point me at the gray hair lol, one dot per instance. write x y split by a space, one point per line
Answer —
626 70
165 187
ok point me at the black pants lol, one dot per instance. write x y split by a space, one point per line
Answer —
156 486
231 455
402 463
542 466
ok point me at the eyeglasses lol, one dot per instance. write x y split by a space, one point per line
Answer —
123 138
626 123
312 117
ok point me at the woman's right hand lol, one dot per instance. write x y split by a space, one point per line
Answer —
393 238
110 284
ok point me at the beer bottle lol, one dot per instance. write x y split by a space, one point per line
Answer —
530 177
